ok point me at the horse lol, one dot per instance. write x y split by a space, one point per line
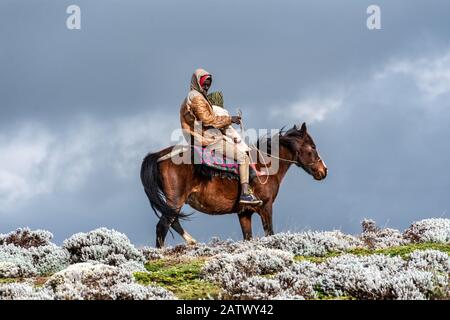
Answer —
169 186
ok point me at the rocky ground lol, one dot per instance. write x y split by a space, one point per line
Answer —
379 263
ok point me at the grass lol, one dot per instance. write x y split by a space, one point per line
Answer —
182 278
7 280
406 250
37 281
323 296
402 251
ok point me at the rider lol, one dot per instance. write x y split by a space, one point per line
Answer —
197 110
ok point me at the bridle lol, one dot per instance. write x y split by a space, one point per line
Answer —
293 161
298 163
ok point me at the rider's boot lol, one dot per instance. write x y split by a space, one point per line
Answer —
247 197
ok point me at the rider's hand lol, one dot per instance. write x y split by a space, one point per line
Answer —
236 119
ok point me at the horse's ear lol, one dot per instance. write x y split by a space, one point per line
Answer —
302 128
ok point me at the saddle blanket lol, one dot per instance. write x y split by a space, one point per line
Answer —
207 157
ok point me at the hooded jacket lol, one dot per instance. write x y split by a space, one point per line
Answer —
196 110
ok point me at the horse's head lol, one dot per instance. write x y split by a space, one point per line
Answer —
306 154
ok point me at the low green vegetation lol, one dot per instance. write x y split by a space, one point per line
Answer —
402 251
8 280
180 277
323 296
406 250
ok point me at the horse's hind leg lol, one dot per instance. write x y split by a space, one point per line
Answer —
176 225
165 222
161 230
245 219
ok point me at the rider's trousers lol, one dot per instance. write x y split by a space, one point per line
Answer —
231 150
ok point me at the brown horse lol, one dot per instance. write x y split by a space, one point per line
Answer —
169 186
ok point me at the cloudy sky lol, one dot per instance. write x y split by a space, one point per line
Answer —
79 109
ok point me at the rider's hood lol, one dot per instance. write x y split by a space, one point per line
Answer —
195 80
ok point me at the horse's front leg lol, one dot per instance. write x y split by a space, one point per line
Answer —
266 217
245 219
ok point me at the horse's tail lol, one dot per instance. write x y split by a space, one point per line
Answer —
153 187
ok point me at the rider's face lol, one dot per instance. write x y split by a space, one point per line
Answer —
206 84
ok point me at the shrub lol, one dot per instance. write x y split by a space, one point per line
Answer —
430 260
248 263
376 277
299 280
25 238
103 246
16 262
310 243
380 238
232 270
150 253
35 261
87 281
23 291
257 288
429 230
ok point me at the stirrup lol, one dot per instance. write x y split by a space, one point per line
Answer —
250 199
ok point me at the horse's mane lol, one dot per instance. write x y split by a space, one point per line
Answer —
286 138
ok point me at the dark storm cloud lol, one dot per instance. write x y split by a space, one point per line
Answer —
384 142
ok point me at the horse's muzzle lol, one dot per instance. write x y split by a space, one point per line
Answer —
320 173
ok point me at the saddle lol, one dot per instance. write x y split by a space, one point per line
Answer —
204 156
207 163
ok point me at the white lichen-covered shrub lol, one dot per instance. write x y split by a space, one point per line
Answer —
257 288
429 230
218 246
16 262
251 262
232 270
49 259
151 253
25 253
103 246
377 277
26 238
299 280
430 260
213 247
133 266
295 281
24 291
87 281
378 238
310 243
424 275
